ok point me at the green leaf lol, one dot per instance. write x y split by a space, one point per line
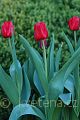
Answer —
76 76
50 59
56 85
66 98
38 84
29 69
26 89
16 74
77 82
68 43
9 87
76 103
58 58
30 72
69 85
17 68
37 63
78 43
38 54
25 109
12 72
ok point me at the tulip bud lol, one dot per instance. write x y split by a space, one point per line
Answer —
40 31
7 29
74 23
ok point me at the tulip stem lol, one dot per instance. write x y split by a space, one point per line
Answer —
10 47
44 56
45 65
75 39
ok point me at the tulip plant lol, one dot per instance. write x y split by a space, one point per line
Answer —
57 88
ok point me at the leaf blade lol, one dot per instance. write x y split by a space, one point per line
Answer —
57 83
37 63
25 109
9 86
71 49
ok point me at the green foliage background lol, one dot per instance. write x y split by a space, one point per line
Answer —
25 13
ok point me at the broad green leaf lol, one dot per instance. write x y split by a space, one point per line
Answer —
9 87
38 84
37 63
26 90
56 85
76 104
17 67
78 95
66 98
69 85
77 82
38 54
16 75
13 71
26 109
68 43
78 43
50 59
76 75
58 58
29 69
30 72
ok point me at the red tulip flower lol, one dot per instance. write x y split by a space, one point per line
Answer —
74 23
7 29
40 31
